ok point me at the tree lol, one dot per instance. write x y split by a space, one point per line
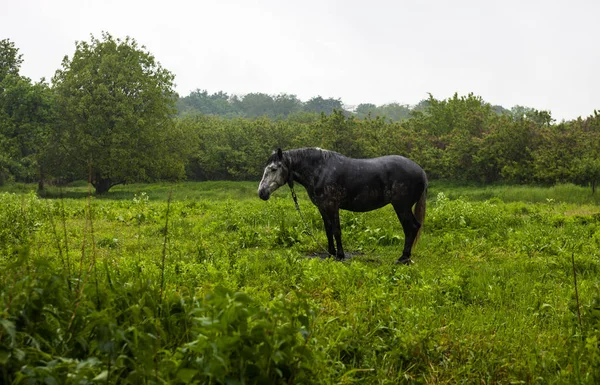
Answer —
200 102
555 155
10 59
505 152
26 115
587 170
26 112
255 104
320 105
285 105
394 111
364 109
116 105
586 166
540 117
338 133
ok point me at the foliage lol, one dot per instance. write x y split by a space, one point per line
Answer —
26 114
391 111
252 105
115 104
199 101
490 298
321 105
10 59
109 116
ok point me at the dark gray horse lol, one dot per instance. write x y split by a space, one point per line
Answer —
335 182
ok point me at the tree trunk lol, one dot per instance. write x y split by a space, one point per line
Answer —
102 185
41 182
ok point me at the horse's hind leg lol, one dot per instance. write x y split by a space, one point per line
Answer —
328 223
337 233
411 226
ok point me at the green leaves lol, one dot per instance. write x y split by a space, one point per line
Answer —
116 105
487 294
239 340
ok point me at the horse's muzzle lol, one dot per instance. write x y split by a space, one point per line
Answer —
264 194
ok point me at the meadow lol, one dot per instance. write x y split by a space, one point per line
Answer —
205 283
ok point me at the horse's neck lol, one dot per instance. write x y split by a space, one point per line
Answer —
303 164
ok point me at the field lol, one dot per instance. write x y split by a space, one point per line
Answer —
205 283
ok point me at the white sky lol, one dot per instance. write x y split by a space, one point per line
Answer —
541 54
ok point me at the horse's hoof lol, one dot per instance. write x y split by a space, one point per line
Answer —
404 261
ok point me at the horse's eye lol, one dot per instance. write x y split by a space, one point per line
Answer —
274 167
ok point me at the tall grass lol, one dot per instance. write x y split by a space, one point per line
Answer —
567 193
234 297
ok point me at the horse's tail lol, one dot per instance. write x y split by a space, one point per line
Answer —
420 209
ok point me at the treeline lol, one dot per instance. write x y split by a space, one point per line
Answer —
462 138
282 106
254 105
111 115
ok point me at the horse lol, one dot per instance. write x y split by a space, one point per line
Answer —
334 181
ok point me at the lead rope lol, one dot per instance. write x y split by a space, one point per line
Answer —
303 220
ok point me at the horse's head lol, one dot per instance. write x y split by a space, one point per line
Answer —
276 174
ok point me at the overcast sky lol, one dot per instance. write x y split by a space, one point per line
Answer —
541 54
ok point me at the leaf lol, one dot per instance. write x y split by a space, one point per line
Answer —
110 284
186 374
102 376
50 381
9 327
4 356
243 298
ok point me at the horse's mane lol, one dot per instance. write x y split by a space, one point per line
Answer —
315 154
312 154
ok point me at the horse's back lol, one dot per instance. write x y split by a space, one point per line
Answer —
392 168
375 182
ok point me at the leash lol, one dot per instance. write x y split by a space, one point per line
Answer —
291 184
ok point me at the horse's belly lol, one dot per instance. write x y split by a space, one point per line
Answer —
366 200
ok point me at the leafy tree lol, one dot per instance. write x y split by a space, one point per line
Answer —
200 101
26 114
363 110
587 170
505 152
285 105
116 104
421 106
379 136
586 165
554 157
468 113
320 105
500 110
338 133
458 156
10 59
394 111
255 104
26 111
540 117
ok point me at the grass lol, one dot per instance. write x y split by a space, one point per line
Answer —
566 193
490 298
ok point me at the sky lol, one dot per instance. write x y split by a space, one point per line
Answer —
540 54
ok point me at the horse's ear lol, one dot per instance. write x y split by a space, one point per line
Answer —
279 154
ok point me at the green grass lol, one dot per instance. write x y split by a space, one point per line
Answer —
238 299
567 193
